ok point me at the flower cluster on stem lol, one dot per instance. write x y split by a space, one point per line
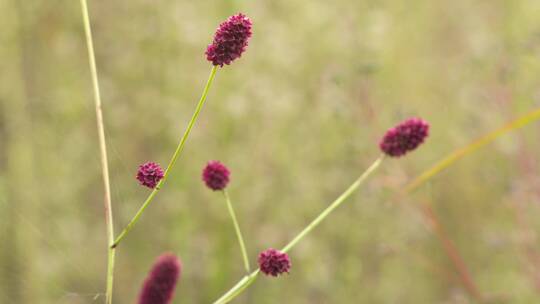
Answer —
229 43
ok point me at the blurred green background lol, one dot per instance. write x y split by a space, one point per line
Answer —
297 119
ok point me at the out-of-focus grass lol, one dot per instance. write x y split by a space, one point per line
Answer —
472 147
297 119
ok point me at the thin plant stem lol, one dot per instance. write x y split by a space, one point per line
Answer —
248 279
175 156
472 147
453 254
335 204
238 288
238 232
445 162
103 152
447 244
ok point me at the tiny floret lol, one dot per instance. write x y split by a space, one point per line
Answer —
274 262
404 137
215 175
159 286
149 174
230 40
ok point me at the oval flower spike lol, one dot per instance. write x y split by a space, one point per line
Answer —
161 282
405 137
230 40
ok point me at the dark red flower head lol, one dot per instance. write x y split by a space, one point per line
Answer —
230 40
149 174
159 286
216 175
274 262
404 137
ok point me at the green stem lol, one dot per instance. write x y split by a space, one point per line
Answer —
247 280
335 204
238 232
110 275
103 151
238 288
175 156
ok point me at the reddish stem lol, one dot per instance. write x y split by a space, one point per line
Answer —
452 253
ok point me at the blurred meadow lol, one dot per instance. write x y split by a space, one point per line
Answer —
296 119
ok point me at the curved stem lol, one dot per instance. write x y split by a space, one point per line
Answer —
238 232
102 149
247 280
175 156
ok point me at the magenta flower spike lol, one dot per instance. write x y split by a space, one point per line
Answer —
161 282
230 40
216 175
149 174
274 262
405 137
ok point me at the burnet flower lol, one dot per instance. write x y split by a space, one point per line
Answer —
230 40
216 175
274 262
149 174
159 286
405 137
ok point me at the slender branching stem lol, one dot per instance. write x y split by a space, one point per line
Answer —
103 151
249 279
175 156
472 147
237 229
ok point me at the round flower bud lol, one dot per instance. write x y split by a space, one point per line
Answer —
149 174
274 262
215 175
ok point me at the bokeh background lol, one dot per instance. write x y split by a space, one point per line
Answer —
297 119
